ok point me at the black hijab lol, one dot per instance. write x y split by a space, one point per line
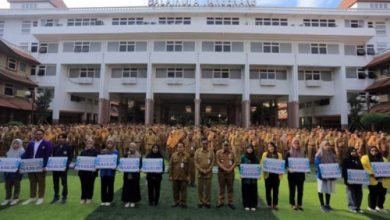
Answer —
377 158
155 155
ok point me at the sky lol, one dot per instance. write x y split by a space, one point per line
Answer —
108 3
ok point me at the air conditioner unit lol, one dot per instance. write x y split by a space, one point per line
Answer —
129 81
85 80
313 83
220 81
267 82
174 81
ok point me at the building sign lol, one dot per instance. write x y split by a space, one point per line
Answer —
202 3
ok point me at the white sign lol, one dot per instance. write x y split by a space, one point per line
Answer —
381 169
358 177
9 165
330 171
299 165
129 165
274 166
57 163
107 161
150 165
250 171
85 163
31 165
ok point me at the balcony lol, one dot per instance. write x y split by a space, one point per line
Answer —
313 83
267 82
220 81
129 81
174 81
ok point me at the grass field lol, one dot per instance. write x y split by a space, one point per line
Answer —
74 211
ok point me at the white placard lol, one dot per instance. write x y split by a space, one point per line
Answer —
299 165
381 169
129 165
31 165
57 163
330 171
9 165
358 177
107 161
150 165
274 166
250 171
85 163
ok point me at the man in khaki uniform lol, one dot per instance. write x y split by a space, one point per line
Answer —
150 140
179 175
311 146
226 162
190 148
204 160
236 142
340 146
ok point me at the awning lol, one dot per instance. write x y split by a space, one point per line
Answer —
381 59
13 77
15 103
380 86
381 108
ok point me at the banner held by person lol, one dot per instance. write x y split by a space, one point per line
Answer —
129 165
330 171
31 165
85 163
9 165
381 169
250 171
299 165
57 163
152 165
107 161
274 166
358 177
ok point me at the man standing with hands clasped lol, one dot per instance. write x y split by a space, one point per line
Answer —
226 163
204 160
179 175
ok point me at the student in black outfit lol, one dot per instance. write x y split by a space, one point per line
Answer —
249 186
295 180
354 191
154 179
131 193
107 176
62 149
87 178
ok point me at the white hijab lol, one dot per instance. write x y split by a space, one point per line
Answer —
16 153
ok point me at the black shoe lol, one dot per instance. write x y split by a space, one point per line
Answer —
184 206
54 201
231 206
175 205
219 205
328 208
208 206
300 208
200 206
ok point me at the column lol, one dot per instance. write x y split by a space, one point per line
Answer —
123 109
293 99
149 93
246 104
237 112
341 99
59 94
197 92
104 102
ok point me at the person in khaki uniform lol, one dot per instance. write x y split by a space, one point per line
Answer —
150 140
311 146
190 148
226 162
204 159
340 146
236 141
179 175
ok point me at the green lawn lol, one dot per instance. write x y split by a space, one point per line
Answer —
73 210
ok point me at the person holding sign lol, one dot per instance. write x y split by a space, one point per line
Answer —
272 180
107 176
61 150
378 186
179 175
354 191
154 179
38 148
295 179
325 155
204 160
226 161
12 180
131 193
87 178
249 186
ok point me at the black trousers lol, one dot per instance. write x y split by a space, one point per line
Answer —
87 181
154 191
107 188
355 196
272 186
249 195
63 176
295 185
376 196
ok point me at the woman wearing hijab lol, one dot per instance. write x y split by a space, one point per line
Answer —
325 155
154 179
87 178
354 191
272 180
131 193
378 186
108 175
12 180
295 180
249 186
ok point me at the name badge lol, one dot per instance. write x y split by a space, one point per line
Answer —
192 148
181 165
230 162
208 161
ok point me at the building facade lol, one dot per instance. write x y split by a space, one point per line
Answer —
198 64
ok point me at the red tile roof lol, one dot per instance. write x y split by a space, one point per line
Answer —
55 3
10 49
13 77
380 86
349 3
381 59
381 108
15 103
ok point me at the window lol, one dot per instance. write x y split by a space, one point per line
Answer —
222 46
23 67
84 22
128 72
380 28
84 72
370 49
222 21
221 73
319 22
34 47
2 24
312 75
12 64
271 21
175 73
318 48
378 5
50 22
81 47
9 89
26 26
356 50
127 21
174 46
354 23
270 47
126 46
29 5
175 20
43 48
381 46
47 70
33 70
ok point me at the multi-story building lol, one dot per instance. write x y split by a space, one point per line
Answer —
201 62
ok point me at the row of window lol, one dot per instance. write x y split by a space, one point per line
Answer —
128 72
318 75
359 73
13 64
84 72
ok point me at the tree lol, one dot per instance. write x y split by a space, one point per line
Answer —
356 108
42 104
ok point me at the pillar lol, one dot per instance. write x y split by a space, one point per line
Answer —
293 99
246 113
104 102
197 112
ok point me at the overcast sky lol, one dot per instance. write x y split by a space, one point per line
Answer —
103 3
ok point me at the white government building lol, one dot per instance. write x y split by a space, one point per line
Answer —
200 61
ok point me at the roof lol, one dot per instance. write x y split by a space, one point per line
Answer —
15 78
380 59
15 103
381 108
55 3
380 86
10 49
349 3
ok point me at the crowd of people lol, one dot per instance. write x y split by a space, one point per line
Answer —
192 153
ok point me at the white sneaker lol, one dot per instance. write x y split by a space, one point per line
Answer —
247 209
39 201
381 210
28 201
103 204
132 205
253 209
127 205
82 201
370 209
14 202
5 202
108 204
